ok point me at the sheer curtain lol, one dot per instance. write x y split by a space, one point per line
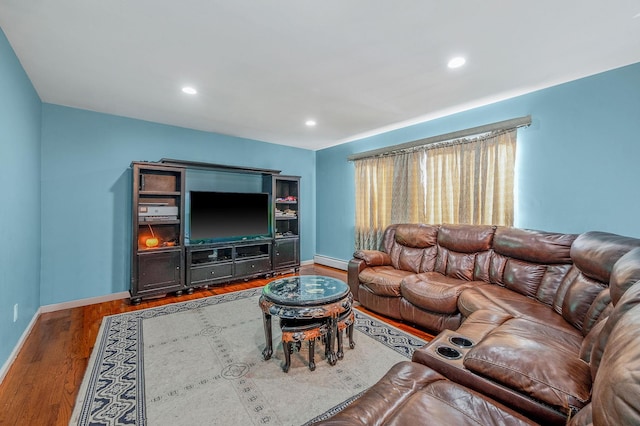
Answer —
389 189
463 181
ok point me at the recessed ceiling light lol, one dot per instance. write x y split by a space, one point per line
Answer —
310 123
456 62
189 90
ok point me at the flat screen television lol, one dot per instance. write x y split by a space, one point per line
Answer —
224 216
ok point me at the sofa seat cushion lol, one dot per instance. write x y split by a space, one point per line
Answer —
413 394
535 360
435 292
432 321
448 403
383 280
501 299
480 323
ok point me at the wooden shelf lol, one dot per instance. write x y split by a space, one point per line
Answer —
158 222
159 193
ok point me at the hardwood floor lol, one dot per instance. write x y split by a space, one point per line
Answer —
41 386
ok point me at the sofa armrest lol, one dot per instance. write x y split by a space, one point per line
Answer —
353 271
373 257
382 402
363 259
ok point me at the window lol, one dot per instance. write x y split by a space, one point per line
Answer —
462 181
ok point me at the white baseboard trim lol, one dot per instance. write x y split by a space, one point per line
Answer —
84 302
52 308
14 354
331 261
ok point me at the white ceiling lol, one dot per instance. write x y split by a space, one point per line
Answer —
263 67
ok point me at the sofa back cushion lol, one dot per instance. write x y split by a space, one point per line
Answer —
578 295
617 382
594 254
416 235
411 247
534 246
532 263
463 251
466 238
625 279
615 367
625 274
600 308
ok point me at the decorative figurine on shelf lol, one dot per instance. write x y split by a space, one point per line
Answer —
152 241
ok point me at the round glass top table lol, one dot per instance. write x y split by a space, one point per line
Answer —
305 297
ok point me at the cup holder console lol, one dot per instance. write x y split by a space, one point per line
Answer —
461 342
448 352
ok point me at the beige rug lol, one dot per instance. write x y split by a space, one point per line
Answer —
200 363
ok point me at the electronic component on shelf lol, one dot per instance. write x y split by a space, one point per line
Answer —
288 199
154 210
288 213
156 218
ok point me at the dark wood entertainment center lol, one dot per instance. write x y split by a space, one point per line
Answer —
163 261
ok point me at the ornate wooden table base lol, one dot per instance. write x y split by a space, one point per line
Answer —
310 307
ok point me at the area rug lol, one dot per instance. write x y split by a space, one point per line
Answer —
200 363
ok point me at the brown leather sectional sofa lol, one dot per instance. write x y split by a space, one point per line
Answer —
535 327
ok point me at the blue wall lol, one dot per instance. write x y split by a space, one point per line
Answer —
577 164
86 191
20 204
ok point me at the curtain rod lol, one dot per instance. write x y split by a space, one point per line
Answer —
500 125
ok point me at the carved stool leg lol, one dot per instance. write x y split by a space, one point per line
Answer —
325 342
331 338
312 350
268 350
287 349
352 344
340 353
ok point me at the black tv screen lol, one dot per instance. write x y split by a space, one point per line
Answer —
228 215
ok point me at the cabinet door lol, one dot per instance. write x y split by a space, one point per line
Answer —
159 270
285 253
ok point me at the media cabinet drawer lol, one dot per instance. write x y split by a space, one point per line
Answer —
201 274
253 266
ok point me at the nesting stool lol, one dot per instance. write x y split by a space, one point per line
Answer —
296 331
